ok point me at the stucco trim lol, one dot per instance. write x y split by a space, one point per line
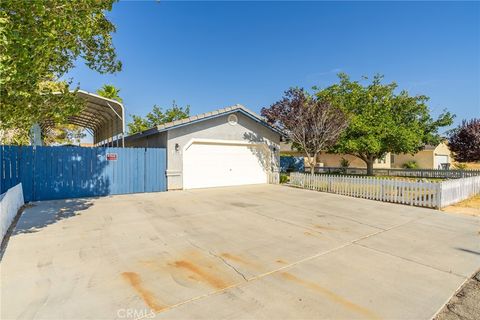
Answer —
203 117
222 141
170 173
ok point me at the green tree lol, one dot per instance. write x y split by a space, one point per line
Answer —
138 124
64 134
382 121
111 92
157 117
39 42
176 113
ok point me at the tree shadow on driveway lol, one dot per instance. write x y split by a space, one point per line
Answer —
35 216
42 214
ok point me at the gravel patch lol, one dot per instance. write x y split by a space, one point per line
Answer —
465 304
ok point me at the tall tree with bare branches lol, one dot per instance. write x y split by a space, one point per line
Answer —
312 124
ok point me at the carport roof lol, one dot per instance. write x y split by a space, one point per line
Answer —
205 116
103 117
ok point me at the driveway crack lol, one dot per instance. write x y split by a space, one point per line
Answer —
213 254
231 266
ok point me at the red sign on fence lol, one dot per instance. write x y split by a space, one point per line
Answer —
111 156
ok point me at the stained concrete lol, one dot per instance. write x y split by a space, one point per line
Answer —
260 251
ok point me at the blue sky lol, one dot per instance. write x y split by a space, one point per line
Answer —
215 54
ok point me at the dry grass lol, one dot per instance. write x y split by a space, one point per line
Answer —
473 202
471 165
470 206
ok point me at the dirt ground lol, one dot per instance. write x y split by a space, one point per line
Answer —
465 305
469 207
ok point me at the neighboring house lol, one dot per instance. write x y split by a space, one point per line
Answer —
333 160
226 147
432 157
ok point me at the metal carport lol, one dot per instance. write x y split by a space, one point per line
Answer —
103 118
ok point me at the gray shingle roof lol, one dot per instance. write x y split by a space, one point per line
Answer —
206 115
164 126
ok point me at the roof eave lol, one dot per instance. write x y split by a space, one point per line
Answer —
163 128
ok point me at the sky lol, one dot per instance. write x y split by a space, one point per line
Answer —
211 55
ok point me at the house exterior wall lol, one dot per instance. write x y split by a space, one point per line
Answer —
442 149
333 160
423 158
158 140
246 130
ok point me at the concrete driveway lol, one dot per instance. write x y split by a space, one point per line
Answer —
263 252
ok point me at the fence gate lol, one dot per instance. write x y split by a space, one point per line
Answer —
48 173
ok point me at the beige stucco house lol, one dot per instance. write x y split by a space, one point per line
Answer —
430 158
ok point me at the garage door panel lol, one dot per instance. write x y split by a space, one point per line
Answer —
439 159
216 165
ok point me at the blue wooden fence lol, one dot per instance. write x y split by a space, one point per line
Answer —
291 164
48 173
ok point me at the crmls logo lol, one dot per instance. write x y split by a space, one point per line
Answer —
135 313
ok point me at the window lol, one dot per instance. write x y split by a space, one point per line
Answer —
382 160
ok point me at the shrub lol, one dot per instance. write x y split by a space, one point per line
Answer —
283 178
412 164
344 163
461 166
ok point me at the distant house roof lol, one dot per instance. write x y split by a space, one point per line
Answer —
205 116
429 147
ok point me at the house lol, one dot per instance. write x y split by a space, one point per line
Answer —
325 159
431 157
227 147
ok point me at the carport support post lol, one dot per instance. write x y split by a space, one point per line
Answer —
116 130
111 133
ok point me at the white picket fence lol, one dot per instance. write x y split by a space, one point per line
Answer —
424 194
274 177
417 173
453 191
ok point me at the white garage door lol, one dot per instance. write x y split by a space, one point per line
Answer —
439 159
215 165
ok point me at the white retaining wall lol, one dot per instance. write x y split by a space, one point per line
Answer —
10 202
